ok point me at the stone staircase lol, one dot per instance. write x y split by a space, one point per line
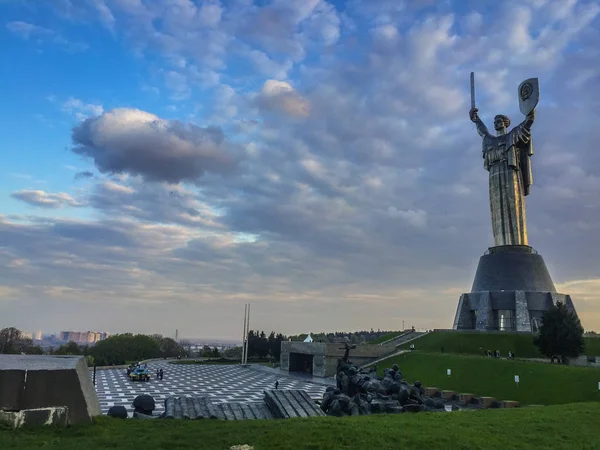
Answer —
405 337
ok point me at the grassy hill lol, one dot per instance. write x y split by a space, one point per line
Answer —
477 343
553 427
540 384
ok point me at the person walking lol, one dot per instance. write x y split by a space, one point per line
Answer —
161 373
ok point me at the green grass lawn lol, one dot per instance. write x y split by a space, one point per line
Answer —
592 346
553 427
477 343
540 384
386 337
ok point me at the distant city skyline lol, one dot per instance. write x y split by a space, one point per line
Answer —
86 336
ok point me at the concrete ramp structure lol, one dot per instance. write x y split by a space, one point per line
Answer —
278 404
33 382
291 403
193 408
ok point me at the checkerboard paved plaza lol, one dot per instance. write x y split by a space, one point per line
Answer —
223 383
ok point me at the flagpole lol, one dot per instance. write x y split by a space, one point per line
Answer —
247 333
244 333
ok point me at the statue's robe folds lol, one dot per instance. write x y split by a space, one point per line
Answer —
507 158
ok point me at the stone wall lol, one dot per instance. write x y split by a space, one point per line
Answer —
585 361
32 382
326 355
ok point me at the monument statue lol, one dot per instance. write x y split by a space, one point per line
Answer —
512 287
345 360
507 157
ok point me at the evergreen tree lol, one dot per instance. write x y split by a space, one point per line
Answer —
561 334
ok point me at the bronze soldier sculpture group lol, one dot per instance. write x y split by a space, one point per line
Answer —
362 391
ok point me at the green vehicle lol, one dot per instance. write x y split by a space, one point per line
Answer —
140 373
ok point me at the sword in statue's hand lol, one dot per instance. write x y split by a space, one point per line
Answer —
473 112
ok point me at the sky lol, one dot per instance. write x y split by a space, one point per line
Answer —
163 163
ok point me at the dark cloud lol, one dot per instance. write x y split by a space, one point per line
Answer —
153 202
139 143
84 174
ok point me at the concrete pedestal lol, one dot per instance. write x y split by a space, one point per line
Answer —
511 291
32 382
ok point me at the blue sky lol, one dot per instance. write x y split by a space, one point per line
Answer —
313 158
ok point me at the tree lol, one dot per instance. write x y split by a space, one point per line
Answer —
9 338
561 334
186 347
34 350
12 341
169 347
128 347
70 348
276 349
233 352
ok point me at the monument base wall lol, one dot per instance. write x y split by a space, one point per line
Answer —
511 291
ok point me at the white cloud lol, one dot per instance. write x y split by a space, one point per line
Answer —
27 30
46 199
281 96
177 83
269 67
80 109
360 175
386 32
416 218
105 15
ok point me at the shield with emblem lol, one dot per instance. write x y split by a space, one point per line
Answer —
529 95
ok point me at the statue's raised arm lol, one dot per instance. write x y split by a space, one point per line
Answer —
473 113
529 119
481 128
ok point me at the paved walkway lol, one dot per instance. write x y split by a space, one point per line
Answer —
298 376
223 383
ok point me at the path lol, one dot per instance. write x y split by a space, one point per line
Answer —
223 383
298 376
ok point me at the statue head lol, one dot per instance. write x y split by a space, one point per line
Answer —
501 122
